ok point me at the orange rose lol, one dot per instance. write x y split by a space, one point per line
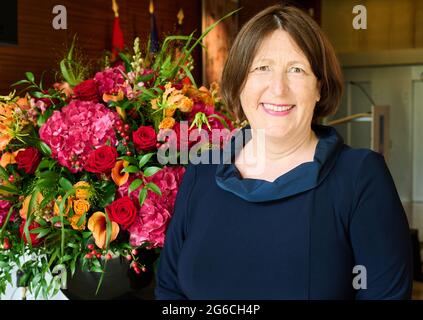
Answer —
74 222
82 190
81 206
167 123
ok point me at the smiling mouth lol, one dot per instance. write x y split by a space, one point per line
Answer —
277 107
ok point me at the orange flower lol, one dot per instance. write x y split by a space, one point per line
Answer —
82 190
23 212
23 103
167 123
186 105
97 225
8 158
170 111
81 206
4 140
154 104
118 177
67 206
111 97
74 222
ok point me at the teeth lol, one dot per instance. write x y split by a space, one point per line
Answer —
275 108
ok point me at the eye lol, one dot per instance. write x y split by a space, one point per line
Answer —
295 70
262 68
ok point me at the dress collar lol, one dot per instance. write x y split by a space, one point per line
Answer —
302 178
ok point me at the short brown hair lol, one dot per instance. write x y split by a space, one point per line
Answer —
307 35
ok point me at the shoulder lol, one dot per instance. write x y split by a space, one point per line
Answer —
358 159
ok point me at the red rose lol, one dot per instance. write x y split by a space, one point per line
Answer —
34 240
144 138
86 91
28 159
122 211
101 160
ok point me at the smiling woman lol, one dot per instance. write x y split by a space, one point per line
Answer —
299 226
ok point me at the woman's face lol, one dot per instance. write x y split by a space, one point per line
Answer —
281 90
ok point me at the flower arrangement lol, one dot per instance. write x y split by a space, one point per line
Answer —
81 176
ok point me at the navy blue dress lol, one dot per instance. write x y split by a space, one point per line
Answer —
299 237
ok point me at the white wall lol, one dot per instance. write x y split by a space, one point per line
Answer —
401 87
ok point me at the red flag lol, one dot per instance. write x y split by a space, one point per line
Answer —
118 42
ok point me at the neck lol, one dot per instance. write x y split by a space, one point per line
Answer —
299 146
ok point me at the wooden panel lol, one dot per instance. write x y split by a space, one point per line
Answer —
218 41
251 7
337 24
391 25
418 28
40 47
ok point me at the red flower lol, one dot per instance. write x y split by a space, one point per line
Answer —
122 211
144 138
101 160
86 91
28 159
34 240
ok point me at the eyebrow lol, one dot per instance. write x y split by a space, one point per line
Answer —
289 62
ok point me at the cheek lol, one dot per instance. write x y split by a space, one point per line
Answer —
306 93
251 93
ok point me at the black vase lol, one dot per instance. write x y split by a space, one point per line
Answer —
119 281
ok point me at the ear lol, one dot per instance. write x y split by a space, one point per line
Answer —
319 88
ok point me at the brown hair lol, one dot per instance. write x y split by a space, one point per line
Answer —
307 35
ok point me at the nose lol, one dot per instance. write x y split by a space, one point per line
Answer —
279 84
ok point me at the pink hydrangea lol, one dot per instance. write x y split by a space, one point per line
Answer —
151 223
110 80
78 128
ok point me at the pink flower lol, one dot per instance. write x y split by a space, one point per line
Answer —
110 80
150 225
153 217
78 128
4 211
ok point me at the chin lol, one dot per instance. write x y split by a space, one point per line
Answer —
276 131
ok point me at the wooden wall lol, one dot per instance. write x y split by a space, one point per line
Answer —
40 46
391 25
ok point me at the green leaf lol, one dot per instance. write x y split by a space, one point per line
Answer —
129 159
30 76
144 159
65 184
66 258
40 231
125 59
82 219
134 185
153 187
107 195
45 149
189 75
3 173
148 172
39 95
11 189
142 196
17 83
131 169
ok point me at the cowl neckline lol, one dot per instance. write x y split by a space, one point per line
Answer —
304 177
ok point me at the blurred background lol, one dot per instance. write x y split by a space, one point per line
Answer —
382 106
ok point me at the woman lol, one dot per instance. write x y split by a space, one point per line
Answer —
306 217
